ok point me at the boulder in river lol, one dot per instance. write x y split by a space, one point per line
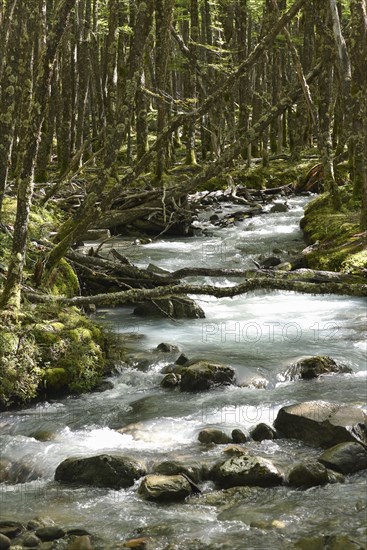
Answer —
170 380
262 432
322 424
313 367
213 435
176 308
113 471
165 488
346 458
309 474
246 470
202 375
193 470
10 529
50 533
5 542
238 436
279 207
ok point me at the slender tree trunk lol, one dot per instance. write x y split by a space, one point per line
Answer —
9 93
326 45
359 100
10 298
163 22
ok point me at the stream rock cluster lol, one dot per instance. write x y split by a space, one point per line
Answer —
338 430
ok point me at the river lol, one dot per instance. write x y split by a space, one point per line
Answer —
259 334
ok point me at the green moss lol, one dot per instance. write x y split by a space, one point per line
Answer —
65 282
55 379
19 367
341 247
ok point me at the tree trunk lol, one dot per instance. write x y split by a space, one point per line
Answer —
10 298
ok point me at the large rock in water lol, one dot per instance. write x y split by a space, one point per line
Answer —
313 367
246 470
113 471
322 424
307 475
346 458
177 308
203 375
165 488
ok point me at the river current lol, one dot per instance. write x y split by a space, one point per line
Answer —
259 334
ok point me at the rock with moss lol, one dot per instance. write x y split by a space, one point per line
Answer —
315 366
113 471
202 375
246 470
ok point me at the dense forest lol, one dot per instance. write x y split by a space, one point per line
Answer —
96 94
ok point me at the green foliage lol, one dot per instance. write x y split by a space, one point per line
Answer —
19 367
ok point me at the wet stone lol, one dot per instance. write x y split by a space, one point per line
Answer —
4 542
238 436
10 528
167 348
308 475
213 435
262 432
50 533
345 458
31 540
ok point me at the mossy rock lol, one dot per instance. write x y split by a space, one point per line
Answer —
65 282
56 379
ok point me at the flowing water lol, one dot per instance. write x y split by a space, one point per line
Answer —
259 334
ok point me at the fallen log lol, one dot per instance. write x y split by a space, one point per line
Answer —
308 286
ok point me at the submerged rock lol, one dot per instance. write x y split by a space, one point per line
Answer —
322 424
53 532
5 542
10 529
262 432
213 435
165 488
177 308
80 543
202 375
313 367
246 470
167 348
279 207
31 540
114 471
309 474
171 380
346 458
